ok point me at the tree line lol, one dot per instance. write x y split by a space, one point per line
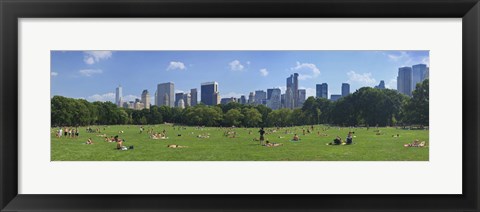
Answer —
365 107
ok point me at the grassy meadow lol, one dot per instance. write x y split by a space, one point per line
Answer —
369 145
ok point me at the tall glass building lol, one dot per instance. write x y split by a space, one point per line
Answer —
345 89
209 93
322 90
404 80
165 95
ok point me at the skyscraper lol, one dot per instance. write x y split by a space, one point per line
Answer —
381 85
243 100
302 96
260 96
275 101
194 96
322 90
181 104
251 98
289 103
187 98
165 95
118 96
345 89
269 93
296 99
292 84
419 73
209 93
146 99
404 80
178 97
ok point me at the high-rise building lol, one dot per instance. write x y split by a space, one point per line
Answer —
155 98
118 96
178 97
282 101
296 99
381 85
243 100
165 94
275 100
260 96
194 96
289 103
146 99
225 101
345 89
335 97
269 92
209 93
292 83
187 98
404 80
251 98
181 104
322 90
419 73
302 96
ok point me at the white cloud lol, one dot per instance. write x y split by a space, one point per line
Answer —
102 97
248 62
392 84
91 57
236 65
130 98
306 70
263 72
53 74
364 79
175 65
398 57
90 72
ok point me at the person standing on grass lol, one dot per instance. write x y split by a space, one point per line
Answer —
262 132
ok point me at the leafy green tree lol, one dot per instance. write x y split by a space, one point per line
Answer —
233 117
252 118
417 108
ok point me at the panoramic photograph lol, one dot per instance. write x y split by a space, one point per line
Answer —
245 105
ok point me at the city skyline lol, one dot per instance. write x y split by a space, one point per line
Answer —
237 72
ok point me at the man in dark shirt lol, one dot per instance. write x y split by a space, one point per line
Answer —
262 132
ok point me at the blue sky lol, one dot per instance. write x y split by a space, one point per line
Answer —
94 75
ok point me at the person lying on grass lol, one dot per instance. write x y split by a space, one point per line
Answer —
415 143
176 146
157 136
268 144
336 141
203 136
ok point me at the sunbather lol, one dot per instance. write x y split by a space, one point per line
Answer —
176 146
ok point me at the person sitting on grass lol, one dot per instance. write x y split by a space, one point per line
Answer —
336 141
268 144
89 141
119 142
296 138
176 146
349 139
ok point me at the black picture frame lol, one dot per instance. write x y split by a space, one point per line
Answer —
12 10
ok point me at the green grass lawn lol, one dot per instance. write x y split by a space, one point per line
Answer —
367 145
